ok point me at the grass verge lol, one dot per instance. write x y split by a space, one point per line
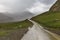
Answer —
5 28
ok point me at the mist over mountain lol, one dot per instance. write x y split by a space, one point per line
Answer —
4 18
15 17
21 16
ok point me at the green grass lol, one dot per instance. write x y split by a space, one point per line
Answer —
49 19
5 28
15 25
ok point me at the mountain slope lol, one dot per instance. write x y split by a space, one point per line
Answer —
56 6
50 20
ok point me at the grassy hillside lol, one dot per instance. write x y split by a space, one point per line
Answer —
5 28
51 19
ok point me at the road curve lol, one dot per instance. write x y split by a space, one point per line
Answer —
37 33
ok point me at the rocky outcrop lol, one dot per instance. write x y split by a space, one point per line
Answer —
56 6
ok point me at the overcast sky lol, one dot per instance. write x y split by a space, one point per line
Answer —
34 6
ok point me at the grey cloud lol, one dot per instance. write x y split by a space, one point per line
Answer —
47 2
21 5
17 5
